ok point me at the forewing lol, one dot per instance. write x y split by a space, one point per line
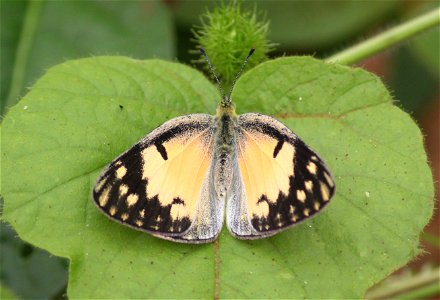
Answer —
281 180
158 185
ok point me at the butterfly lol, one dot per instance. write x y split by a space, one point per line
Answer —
180 180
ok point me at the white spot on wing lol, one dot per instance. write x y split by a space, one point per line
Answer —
263 209
120 172
301 195
324 192
132 199
103 198
113 210
329 179
311 166
292 209
101 183
316 206
123 189
309 185
177 211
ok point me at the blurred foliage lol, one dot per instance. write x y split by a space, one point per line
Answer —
6 293
303 25
11 14
416 66
30 272
43 34
403 285
426 47
414 84
52 32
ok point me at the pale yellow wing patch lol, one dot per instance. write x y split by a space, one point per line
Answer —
158 184
181 175
262 173
281 182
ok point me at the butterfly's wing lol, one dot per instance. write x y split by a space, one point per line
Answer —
163 184
278 180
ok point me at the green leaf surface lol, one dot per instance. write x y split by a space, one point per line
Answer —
83 113
51 32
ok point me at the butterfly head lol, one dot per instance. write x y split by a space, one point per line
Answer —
226 107
226 104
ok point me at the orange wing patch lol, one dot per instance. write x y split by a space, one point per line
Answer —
180 176
262 173
284 181
156 185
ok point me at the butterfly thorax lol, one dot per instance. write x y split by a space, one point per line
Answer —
225 128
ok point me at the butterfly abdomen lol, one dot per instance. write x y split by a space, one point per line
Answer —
223 174
224 150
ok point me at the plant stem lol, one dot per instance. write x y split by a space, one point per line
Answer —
423 292
386 39
400 287
30 23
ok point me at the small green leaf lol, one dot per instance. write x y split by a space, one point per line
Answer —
83 113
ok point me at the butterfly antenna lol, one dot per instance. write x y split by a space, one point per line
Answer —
239 73
220 87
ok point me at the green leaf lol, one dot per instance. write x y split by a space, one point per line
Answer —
51 32
83 113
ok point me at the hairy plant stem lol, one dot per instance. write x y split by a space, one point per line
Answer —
386 39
